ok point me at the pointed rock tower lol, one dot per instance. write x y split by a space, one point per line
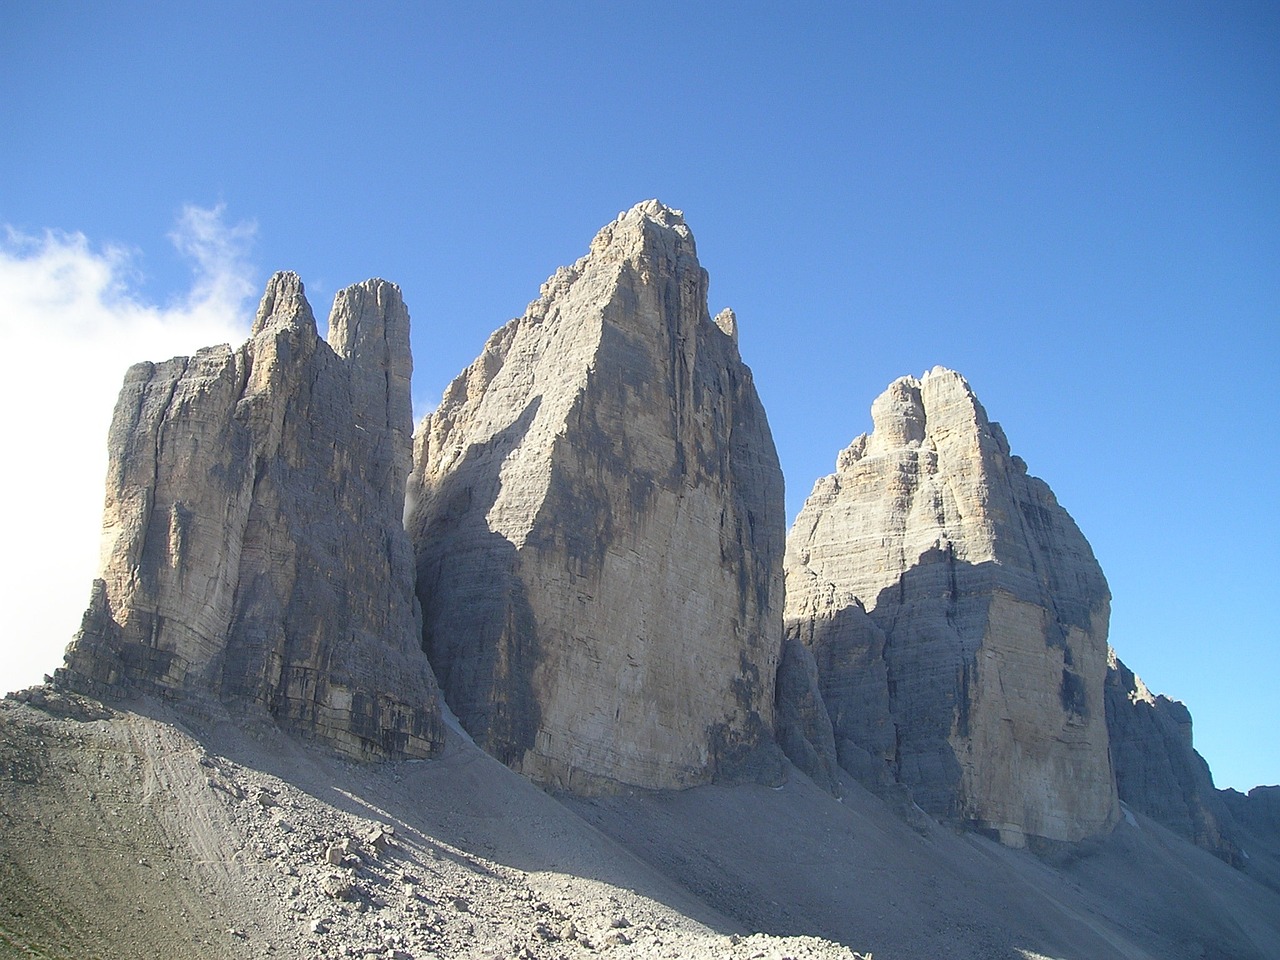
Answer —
959 621
254 546
597 510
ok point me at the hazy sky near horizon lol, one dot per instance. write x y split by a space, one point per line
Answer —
1075 205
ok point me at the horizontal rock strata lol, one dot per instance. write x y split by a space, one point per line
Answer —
597 511
254 546
958 619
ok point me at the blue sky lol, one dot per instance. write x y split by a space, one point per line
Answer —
1075 205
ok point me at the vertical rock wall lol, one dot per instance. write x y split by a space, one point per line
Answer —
958 619
597 510
1158 772
254 547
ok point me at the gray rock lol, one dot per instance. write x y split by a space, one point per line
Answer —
597 510
803 726
847 649
958 619
1158 771
253 537
1255 829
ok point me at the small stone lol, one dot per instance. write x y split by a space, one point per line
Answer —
338 887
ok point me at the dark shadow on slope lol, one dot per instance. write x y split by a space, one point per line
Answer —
795 861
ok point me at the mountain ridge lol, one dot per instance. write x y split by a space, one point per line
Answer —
595 528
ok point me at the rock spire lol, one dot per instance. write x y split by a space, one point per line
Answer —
958 620
597 510
254 547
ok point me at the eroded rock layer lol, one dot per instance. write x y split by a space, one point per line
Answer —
958 619
597 511
253 544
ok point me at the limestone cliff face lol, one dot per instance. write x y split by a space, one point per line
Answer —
253 544
597 510
1158 771
958 619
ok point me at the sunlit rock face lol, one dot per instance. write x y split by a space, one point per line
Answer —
254 547
597 511
959 621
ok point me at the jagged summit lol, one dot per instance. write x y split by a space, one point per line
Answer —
597 511
254 548
958 619
284 302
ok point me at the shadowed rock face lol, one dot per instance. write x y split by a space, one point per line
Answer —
803 725
959 621
597 511
1255 830
1158 771
253 542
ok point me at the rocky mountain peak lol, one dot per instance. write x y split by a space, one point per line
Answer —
648 223
979 632
598 517
283 303
1158 771
255 547
369 328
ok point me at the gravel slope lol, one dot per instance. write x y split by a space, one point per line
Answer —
124 835
135 833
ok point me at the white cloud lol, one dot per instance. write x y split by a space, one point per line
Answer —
72 323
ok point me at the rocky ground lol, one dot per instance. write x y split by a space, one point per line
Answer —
133 833
124 835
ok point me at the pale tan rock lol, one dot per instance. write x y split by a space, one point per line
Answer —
253 541
597 511
985 614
